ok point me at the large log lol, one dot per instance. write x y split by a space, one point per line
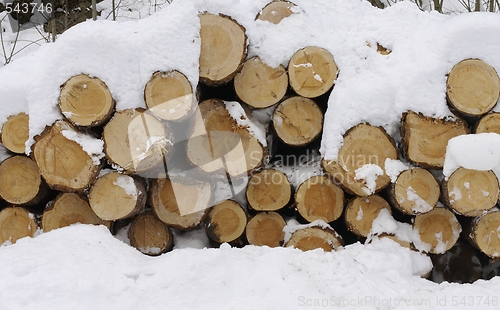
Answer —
15 132
265 228
297 121
169 96
425 139
473 87
415 191
311 238
16 223
360 213
86 101
276 11
268 190
488 123
149 235
223 48
318 198
360 164
471 192
67 209
225 222
64 164
21 182
180 203
116 196
260 85
312 71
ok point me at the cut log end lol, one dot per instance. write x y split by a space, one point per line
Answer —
489 123
312 71
298 121
438 229
471 192
265 229
20 181
86 101
485 234
362 211
15 133
268 190
16 223
473 87
318 198
149 235
415 191
276 11
169 96
225 222
311 238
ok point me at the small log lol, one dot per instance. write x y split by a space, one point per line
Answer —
298 121
63 163
68 209
268 190
425 139
438 229
116 196
225 222
86 101
473 87
136 141
15 132
318 198
311 238
415 191
266 229
484 233
21 182
180 203
489 123
312 71
169 96
16 223
219 143
471 192
276 11
360 164
362 211
223 48
149 235
260 85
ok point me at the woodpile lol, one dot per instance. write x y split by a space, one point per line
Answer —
158 170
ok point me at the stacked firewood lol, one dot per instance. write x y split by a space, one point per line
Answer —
161 168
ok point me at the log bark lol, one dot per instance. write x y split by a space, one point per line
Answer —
16 223
219 143
297 121
116 196
223 48
438 229
415 191
21 182
362 211
225 222
473 87
311 238
471 192
68 209
362 155
489 123
63 163
149 235
86 101
180 203
318 198
15 132
268 190
484 233
266 229
425 139
260 85
136 141
276 11
312 71
170 96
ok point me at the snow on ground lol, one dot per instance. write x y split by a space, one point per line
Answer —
84 267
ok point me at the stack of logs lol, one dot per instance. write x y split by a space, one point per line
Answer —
161 166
